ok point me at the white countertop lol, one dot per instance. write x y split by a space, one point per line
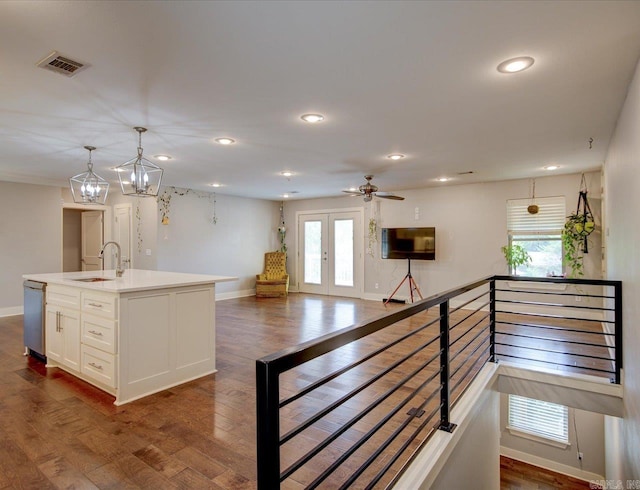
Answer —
131 280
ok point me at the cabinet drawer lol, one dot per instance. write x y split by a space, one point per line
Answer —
99 366
63 296
99 332
105 305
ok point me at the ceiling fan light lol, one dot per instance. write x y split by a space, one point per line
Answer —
88 187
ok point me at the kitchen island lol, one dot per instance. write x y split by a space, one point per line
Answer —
134 335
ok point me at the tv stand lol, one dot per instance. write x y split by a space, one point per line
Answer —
413 286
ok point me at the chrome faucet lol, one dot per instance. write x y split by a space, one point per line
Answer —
119 269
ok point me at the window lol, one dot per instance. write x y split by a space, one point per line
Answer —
539 234
548 421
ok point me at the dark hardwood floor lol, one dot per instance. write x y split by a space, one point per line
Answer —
59 432
516 475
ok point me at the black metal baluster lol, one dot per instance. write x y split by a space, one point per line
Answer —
268 426
618 329
445 399
492 320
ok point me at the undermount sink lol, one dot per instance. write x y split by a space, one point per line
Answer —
93 279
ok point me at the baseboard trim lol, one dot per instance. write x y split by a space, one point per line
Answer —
235 294
549 465
11 311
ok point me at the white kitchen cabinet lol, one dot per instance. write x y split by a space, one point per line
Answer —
62 326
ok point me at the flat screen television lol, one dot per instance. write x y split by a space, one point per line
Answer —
409 243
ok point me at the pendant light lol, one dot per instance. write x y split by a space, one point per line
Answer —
87 187
533 208
139 177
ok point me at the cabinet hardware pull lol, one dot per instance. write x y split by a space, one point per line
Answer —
97 305
97 366
95 333
57 321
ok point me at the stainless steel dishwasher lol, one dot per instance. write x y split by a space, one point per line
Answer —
34 316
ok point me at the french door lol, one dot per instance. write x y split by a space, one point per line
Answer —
330 253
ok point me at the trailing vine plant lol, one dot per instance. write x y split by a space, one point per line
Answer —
373 236
139 225
164 202
282 230
578 227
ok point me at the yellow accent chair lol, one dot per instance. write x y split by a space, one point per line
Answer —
274 281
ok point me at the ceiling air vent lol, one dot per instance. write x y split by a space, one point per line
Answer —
61 64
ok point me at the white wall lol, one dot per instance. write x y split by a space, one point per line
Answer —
144 232
589 436
30 238
622 193
234 246
474 463
471 227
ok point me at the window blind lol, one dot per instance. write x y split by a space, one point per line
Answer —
543 419
549 219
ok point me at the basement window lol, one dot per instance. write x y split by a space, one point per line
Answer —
539 420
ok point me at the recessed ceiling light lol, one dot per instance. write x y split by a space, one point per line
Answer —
552 167
312 118
117 169
395 156
514 65
286 196
225 141
215 184
444 179
287 173
353 189
162 158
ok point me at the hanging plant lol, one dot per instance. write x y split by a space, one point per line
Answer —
578 227
574 241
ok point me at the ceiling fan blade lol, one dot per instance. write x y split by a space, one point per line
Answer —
390 196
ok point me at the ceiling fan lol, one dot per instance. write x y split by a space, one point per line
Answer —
369 190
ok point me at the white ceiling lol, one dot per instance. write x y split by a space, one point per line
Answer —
418 78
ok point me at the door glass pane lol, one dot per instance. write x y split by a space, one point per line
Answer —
313 252
343 247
